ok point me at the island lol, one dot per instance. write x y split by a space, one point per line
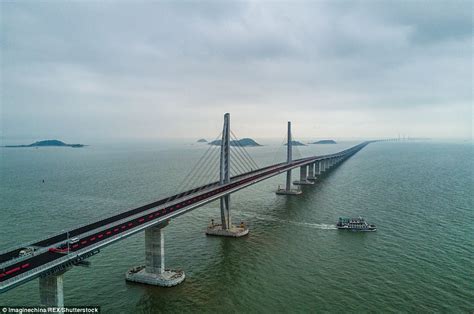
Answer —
245 142
325 142
296 143
202 140
48 143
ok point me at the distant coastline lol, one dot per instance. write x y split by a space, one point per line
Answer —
48 143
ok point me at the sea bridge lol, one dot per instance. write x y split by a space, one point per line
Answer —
51 257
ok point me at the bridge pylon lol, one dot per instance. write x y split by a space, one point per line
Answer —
226 228
289 157
154 271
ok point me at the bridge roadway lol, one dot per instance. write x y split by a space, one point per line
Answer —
15 270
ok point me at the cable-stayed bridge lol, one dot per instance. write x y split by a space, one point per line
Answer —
48 259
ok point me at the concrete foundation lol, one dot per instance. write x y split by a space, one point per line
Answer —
51 290
234 231
288 192
168 278
305 182
154 272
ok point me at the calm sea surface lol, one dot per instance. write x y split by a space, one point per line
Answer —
419 194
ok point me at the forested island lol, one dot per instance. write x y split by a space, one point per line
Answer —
325 142
202 140
242 142
48 143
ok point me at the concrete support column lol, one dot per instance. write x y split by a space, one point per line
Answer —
226 218
311 172
162 249
303 173
288 181
154 250
317 169
303 177
154 271
51 290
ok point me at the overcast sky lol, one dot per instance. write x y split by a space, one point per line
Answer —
132 70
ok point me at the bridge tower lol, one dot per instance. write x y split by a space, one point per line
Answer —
224 173
154 271
225 228
289 158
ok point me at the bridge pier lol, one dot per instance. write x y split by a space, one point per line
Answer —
317 168
322 166
326 165
51 290
154 271
311 175
289 157
303 177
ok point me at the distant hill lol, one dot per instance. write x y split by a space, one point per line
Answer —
202 140
242 142
296 143
325 142
48 143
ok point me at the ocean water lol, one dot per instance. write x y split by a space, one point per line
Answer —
419 194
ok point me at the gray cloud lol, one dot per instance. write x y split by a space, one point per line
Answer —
164 69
